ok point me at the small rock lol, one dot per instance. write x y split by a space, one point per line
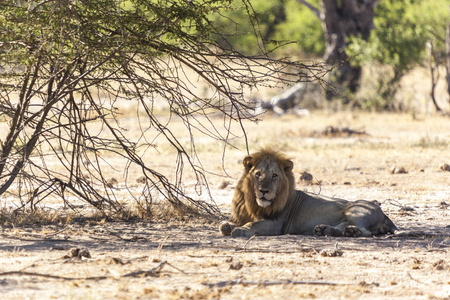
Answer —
445 167
407 208
441 265
223 185
112 182
78 253
331 252
400 170
236 266
141 179
443 205
305 176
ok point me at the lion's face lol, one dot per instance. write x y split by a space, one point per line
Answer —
268 179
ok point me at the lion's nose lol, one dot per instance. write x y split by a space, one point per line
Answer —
264 192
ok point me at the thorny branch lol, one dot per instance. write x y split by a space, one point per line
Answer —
59 93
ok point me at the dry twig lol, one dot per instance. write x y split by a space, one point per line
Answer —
55 233
267 283
132 239
248 241
154 272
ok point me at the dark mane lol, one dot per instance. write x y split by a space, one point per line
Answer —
245 208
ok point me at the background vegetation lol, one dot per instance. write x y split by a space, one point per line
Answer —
398 43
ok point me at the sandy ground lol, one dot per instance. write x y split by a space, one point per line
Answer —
397 162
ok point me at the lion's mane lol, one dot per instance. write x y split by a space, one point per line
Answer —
245 208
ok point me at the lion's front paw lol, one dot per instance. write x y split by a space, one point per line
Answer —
242 232
352 231
226 228
322 230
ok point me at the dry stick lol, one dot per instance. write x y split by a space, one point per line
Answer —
248 241
178 269
22 273
262 250
267 251
34 237
152 272
133 239
410 276
241 249
267 283
210 256
55 233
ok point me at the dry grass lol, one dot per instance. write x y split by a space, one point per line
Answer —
41 216
161 213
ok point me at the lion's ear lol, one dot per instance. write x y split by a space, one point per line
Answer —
288 166
247 162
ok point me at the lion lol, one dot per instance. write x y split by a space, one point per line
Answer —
266 202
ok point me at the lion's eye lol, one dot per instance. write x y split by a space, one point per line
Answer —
274 176
258 174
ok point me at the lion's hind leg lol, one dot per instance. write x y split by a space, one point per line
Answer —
366 219
226 227
342 229
355 231
327 230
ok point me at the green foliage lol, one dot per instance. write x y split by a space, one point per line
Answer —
291 23
302 27
398 42
67 27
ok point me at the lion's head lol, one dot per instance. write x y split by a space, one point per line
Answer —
266 185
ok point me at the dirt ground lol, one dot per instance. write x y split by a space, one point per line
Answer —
397 159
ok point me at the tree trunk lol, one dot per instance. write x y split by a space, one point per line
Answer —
279 16
340 20
434 72
447 58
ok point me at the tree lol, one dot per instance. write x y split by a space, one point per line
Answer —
399 44
340 21
438 57
65 64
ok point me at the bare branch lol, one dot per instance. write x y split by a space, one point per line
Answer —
68 82
314 9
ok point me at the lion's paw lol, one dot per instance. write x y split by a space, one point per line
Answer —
226 228
322 230
352 231
242 232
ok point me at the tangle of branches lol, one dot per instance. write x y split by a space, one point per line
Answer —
65 65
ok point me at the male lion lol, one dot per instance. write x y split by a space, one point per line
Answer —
265 202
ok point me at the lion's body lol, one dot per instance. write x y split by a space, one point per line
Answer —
265 202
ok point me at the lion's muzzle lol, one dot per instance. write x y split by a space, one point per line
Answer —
263 202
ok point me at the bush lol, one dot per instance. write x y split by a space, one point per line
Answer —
398 42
